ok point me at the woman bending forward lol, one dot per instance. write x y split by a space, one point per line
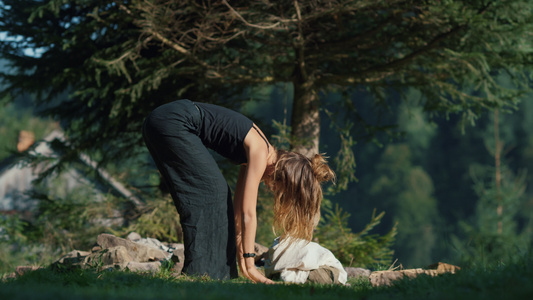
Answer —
215 230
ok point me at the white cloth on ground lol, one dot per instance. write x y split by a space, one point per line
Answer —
295 260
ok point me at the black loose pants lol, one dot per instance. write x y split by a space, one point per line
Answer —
200 192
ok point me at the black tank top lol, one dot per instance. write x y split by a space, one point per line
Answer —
224 130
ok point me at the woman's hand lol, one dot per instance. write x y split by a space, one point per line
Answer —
254 274
251 272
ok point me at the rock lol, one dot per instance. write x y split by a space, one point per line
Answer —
178 255
357 272
111 252
74 257
138 252
174 245
118 255
260 249
260 252
133 236
443 268
154 243
151 267
386 278
11 275
176 269
21 270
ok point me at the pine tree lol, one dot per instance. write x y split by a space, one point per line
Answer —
119 59
406 192
499 232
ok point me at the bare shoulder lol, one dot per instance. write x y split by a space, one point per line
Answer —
255 139
256 146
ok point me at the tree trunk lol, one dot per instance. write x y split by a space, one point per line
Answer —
305 109
498 175
305 119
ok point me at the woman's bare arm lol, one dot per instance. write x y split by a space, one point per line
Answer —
237 207
250 178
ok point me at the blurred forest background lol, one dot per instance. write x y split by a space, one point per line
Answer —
425 110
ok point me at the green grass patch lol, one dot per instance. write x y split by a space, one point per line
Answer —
497 282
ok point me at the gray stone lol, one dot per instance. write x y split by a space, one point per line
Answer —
178 255
133 236
260 252
174 245
111 252
154 243
108 257
74 257
357 272
21 270
387 278
138 252
151 267
260 249
176 269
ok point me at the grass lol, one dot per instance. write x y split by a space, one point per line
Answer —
497 282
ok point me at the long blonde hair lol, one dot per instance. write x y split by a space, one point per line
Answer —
296 182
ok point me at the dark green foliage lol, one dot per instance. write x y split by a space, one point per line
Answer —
363 249
407 190
11 230
74 39
265 234
14 119
158 219
72 220
500 228
119 59
62 221
14 246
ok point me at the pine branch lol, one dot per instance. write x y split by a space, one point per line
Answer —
240 17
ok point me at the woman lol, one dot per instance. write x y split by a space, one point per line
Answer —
178 134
